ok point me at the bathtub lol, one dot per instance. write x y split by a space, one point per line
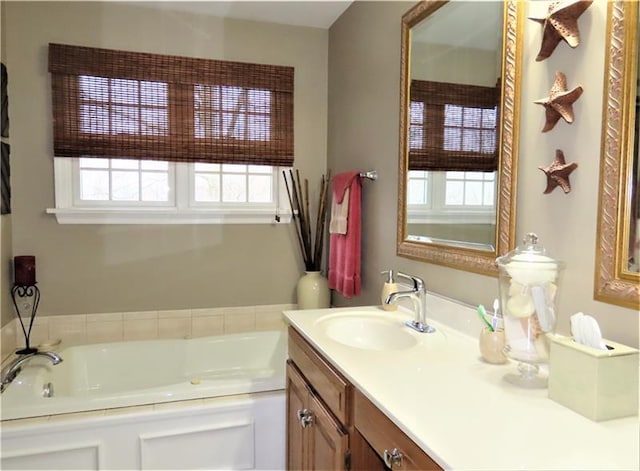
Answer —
104 376
230 415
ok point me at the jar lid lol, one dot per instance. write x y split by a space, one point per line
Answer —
529 258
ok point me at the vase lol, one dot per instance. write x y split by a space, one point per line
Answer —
313 291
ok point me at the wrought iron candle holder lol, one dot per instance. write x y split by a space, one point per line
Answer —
26 298
25 295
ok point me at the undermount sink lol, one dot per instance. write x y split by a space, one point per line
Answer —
367 330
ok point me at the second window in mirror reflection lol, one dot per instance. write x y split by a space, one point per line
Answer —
440 192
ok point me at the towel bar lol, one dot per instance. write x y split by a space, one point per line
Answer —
371 175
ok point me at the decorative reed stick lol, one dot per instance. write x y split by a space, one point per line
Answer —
299 202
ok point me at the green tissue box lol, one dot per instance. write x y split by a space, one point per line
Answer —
599 384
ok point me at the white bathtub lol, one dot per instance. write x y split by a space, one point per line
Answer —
105 376
232 414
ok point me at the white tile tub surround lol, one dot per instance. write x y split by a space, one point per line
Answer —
8 339
83 329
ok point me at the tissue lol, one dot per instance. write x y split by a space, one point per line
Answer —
586 331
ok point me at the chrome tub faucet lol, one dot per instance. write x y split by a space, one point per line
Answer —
11 371
418 295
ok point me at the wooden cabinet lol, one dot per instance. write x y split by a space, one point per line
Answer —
317 437
333 426
396 450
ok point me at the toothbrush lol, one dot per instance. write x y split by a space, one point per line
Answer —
483 317
494 319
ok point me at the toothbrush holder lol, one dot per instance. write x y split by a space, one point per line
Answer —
492 345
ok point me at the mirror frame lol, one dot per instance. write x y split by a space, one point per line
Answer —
614 283
473 260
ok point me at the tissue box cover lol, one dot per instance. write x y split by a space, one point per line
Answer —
599 384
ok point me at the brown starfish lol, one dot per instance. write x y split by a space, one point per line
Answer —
560 22
558 173
559 103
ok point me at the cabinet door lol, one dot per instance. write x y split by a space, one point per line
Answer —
297 436
328 441
363 457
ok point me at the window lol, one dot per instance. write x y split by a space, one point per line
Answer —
123 181
469 189
451 197
470 129
418 188
453 153
193 137
453 127
232 111
232 183
130 191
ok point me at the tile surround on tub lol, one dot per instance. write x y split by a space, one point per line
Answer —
144 325
8 339
208 325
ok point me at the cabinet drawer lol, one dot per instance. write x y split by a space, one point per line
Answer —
382 434
334 390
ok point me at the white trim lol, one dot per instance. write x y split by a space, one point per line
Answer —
166 216
457 243
433 216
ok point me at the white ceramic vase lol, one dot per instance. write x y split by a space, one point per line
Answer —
313 291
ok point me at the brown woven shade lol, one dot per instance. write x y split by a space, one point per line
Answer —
120 104
453 127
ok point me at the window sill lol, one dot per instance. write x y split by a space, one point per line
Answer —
449 217
164 216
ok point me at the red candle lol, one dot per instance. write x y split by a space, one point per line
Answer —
24 270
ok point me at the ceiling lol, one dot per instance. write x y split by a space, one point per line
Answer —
314 13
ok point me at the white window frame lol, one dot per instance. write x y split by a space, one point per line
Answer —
68 209
436 212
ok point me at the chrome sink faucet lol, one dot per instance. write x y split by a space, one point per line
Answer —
418 295
14 368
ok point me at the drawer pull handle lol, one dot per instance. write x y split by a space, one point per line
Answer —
392 458
305 418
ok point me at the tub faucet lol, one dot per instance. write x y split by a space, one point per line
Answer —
418 295
10 373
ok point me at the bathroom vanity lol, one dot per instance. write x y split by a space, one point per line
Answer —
394 398
327 419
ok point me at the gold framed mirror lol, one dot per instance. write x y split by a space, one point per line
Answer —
617 274
437 222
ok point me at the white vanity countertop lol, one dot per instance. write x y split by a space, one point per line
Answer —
461 411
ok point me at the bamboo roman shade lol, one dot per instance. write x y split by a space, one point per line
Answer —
120 104
453 127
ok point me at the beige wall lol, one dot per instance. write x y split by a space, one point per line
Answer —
459 65
364 58
97 268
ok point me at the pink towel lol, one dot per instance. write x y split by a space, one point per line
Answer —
344 249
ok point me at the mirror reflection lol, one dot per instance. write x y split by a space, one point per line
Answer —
454 101
459 108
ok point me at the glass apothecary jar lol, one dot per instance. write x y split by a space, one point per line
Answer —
529 282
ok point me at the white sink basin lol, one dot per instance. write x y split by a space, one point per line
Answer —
367 330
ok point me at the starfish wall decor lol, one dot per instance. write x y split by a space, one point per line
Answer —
558 173
560 23
559 103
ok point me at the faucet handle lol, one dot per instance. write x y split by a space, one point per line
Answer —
418 283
